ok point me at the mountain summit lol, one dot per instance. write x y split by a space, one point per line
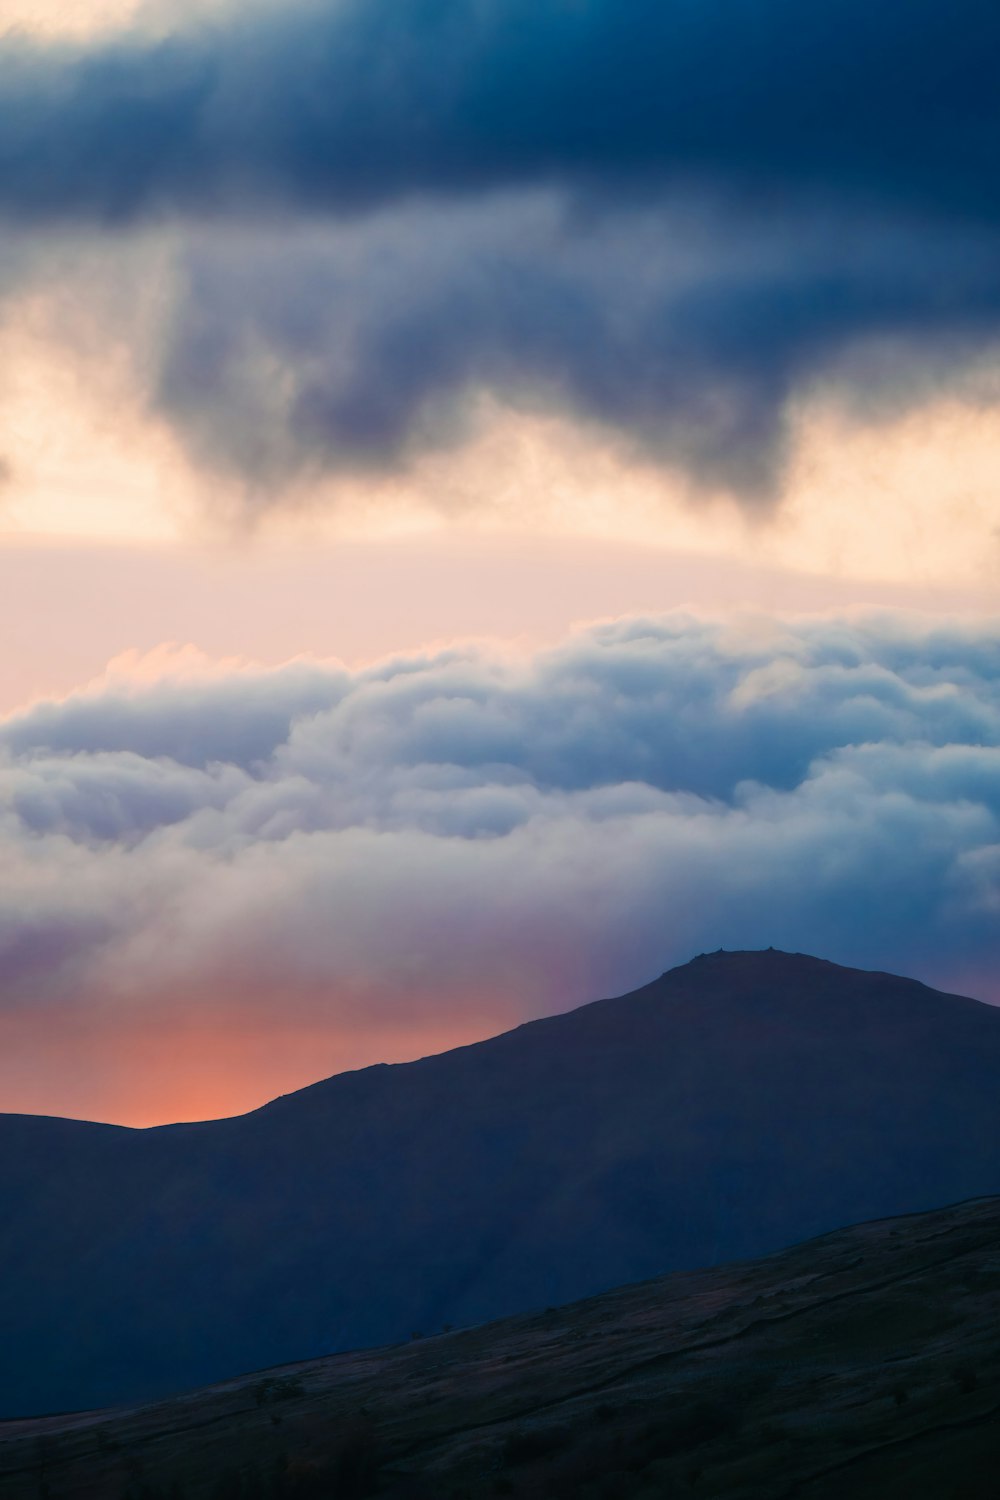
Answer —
733 1106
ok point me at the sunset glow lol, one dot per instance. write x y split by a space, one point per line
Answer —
474 517
141 1070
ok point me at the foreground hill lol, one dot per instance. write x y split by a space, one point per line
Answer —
733 1106
864 1363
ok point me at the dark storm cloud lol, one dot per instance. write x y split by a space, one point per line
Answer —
509 195
457 824
346 105
362 348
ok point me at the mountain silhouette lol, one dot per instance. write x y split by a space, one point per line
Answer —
735 1105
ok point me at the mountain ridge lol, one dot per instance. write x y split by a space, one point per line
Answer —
731 1106
723 957
726 955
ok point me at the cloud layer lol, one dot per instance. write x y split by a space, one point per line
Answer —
342 107
671 220
463 840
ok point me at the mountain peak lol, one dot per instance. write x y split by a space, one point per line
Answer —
760 965
776 958
741 1102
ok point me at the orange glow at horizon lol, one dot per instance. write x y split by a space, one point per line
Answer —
120 1069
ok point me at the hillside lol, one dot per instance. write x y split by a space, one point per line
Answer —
733 1106
863 1363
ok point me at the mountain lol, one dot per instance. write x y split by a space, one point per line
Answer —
866 1362
733 1106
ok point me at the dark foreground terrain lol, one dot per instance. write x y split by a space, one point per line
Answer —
863 1364
736 1105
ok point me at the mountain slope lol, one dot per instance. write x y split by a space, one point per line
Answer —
866 1362
733 1106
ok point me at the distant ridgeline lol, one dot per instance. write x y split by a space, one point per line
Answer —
733 1106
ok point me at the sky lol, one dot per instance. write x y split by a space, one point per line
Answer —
495 499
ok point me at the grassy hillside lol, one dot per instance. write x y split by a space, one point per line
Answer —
863 1364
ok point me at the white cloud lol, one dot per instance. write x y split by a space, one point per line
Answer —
403 841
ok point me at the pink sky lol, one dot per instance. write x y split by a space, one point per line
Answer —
358 600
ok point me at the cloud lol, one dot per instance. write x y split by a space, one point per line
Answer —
671 221
192 718
458 840
686 342
670 338
341 107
